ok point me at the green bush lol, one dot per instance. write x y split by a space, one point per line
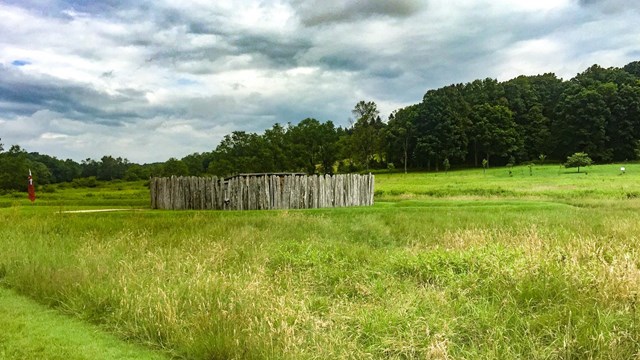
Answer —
48 189
90 182
578 160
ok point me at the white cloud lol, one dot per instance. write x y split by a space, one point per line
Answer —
528 57
53 136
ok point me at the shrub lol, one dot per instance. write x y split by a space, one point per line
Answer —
48 189
90 182
577 160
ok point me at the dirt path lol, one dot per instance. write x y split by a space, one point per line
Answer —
95 210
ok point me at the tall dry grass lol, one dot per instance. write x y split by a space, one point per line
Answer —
496 280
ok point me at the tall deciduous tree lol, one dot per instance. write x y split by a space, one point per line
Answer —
110 168
581 123
529 116
494 131
442 126
487 91
279 148
623 128
195 163
401 131
89 167
240 152
633 68
367 133
314 143
174 167
596 75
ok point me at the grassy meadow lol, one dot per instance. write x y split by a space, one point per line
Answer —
458 265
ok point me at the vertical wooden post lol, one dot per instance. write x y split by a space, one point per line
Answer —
152 192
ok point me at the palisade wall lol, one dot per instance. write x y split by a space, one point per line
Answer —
262 192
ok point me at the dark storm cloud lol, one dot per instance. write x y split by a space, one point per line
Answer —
610 6
60 8
320 12
343 61
387 72
279 50
21 94
267 52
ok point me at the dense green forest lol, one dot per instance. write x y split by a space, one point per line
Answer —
526 119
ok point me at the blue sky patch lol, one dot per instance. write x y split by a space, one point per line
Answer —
186 82
20 62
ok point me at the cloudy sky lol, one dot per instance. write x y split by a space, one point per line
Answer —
149 80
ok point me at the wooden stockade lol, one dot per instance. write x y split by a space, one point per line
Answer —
262 192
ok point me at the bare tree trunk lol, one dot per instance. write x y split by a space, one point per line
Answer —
406 146
475 152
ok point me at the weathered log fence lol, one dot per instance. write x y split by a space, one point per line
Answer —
262 192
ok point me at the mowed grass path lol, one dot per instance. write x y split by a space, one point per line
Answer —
31 331
459 265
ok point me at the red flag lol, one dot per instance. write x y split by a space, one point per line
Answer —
31 189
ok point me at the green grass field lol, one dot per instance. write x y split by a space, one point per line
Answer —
456 265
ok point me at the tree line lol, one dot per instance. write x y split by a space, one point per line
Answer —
480 123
